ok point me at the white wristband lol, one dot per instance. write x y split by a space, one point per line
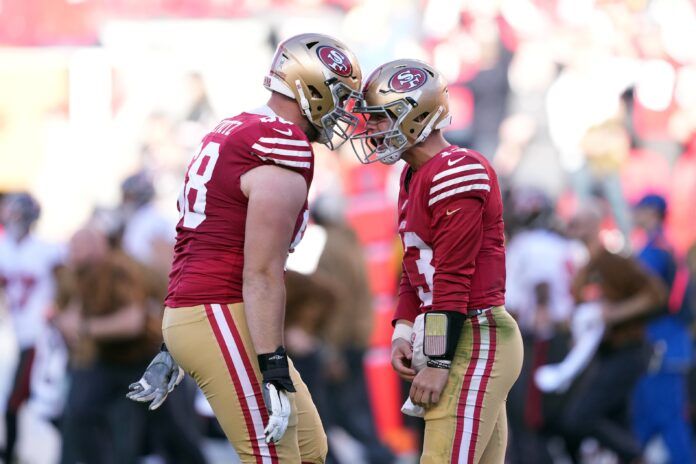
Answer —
402 330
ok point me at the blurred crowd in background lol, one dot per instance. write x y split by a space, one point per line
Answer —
587 109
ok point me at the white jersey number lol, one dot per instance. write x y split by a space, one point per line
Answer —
193 194
423 263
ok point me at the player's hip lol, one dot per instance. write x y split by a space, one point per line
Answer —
491 335
220 328
486 364
199 313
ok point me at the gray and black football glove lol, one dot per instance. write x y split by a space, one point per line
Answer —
158 381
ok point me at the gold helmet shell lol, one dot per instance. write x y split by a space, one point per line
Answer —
413 96
322 75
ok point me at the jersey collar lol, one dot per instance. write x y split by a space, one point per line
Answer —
264 110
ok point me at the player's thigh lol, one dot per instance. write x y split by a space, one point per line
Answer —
487 363
310 431
494 451
212 344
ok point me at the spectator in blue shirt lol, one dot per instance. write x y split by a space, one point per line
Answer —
660 398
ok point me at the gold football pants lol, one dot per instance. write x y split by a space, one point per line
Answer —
212 344
469 425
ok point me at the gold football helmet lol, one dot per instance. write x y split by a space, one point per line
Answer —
323 76
413 96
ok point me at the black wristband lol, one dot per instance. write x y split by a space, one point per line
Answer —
439 364
275 369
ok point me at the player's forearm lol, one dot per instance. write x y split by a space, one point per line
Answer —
127 322
264 306
639 305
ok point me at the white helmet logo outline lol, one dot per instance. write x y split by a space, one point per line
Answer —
335 60
406 80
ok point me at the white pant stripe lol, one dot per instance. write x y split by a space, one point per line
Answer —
241 372
468 439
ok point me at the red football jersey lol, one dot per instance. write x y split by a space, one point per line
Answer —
209 250
451 227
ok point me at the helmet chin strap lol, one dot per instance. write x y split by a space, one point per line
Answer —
429 127
304 103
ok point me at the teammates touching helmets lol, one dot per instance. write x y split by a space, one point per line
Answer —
322 75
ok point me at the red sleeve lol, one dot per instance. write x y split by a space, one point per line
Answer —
283 145
457 199
408 306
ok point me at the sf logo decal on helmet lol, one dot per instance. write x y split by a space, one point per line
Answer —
335 60
407 80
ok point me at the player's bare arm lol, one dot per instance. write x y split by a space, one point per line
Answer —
276 196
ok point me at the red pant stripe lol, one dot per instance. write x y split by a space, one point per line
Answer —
240 379
484 382
462 434
252 377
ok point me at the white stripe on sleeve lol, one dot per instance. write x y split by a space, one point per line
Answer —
280 151
466 167
294 164
466 188
289 142
458 180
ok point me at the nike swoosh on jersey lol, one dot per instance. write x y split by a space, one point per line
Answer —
453 162
287 132
449 213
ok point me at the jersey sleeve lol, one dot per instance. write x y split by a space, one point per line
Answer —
457 197
408 305
281 144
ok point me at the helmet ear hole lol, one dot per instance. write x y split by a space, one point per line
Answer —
421 117
313 91
412 131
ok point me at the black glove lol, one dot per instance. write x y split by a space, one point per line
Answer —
276 383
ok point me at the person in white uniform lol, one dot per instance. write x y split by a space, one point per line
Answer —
148 235
539 267
26 274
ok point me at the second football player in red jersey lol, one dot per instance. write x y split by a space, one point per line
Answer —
466 350
242 207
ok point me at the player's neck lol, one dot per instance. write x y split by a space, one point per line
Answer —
419 154
288 109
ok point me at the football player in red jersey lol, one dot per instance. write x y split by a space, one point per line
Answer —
467 350
243 206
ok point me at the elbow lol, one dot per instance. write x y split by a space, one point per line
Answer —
263 276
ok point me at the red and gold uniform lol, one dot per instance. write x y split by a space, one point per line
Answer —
451 227
204 323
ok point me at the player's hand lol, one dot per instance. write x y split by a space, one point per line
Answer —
276 385
158 381
401 356
427 386
279 412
